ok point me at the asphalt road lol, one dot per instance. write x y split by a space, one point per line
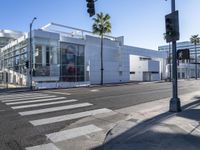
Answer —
120 96
17 132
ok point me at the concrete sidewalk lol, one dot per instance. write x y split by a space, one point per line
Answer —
150 126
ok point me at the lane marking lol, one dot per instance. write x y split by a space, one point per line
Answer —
58 93
30 98
43 104
69 117
49 146
53 109
94 90
33 101
72 133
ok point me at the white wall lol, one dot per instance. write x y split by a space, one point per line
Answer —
138 67
16 78
117 61
114 71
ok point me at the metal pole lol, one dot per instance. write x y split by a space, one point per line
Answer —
175 105
31 55
195 60
170 64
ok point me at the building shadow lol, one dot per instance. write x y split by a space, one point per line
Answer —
152 134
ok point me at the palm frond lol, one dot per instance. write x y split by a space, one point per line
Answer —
101 24
195 39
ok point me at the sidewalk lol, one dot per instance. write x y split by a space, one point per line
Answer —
150 126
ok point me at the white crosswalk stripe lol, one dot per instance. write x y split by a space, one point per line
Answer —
63 93
72 133
69 117
43 104
29 98
53 109
21 96
49 146
52 106
37 100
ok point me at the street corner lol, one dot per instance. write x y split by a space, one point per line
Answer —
119 129
129 135
97 128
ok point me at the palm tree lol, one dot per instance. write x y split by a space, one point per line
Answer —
195 40
101 26
169 58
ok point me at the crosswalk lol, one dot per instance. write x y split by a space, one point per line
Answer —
55 109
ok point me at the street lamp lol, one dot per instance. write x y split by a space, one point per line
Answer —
31 54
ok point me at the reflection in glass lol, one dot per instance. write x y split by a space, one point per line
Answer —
38 54
72 63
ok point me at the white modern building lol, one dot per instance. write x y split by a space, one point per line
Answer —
66 57
144 68
6 36
186 68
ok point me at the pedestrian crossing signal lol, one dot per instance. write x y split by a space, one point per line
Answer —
183 54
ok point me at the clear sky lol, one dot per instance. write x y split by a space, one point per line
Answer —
141 22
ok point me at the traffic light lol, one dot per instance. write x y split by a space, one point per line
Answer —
91 8
172 27
169 27
27 64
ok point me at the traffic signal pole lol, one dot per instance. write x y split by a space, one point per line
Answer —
31 55
175 104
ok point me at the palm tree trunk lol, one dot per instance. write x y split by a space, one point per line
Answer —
102 60
195 61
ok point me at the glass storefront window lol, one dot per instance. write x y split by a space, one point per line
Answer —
72 62
81 50
38 54
40 70
46 57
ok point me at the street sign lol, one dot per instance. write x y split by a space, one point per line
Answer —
183 54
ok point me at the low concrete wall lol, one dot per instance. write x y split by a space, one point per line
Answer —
51 85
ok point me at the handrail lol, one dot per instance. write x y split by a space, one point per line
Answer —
68 27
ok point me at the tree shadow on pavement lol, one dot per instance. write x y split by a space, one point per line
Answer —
192 111
152 134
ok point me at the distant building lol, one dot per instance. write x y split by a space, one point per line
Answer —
6 36
66 57
186 69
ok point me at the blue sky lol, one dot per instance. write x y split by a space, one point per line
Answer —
140 21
